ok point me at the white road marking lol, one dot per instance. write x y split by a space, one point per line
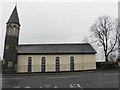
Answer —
71 85
27 87
79 86
75 86
47 86
111 74
55 87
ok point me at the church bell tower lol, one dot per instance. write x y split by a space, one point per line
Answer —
11 43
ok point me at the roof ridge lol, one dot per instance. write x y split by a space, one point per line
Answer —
56 48
55 44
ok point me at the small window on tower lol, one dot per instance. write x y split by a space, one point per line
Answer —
13 33
9 32
7 46
16 47
14 29
14 26
8 26
10 64
3 61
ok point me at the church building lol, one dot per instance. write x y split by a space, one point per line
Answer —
28 58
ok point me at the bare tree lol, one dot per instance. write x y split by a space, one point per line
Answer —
119 39
105 34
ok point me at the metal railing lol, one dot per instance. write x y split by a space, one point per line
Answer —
63 67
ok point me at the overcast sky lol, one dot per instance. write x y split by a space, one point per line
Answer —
55 22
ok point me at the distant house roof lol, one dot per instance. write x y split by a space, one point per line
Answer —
84 48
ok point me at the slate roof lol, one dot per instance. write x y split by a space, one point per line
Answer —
84 48
14 17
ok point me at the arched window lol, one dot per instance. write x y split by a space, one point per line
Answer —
43 64
72 63
57 64
29 64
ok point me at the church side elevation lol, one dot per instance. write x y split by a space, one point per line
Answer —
28 58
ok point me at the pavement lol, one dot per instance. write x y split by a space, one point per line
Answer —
87 79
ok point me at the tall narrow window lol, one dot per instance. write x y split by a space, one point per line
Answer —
57 64
71 63
29 64
43 64
9 32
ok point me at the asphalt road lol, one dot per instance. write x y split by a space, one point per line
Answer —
93 79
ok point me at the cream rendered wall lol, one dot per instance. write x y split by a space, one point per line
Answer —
22 64
89 62
82 62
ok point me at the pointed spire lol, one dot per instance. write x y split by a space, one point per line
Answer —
14 16
16 4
